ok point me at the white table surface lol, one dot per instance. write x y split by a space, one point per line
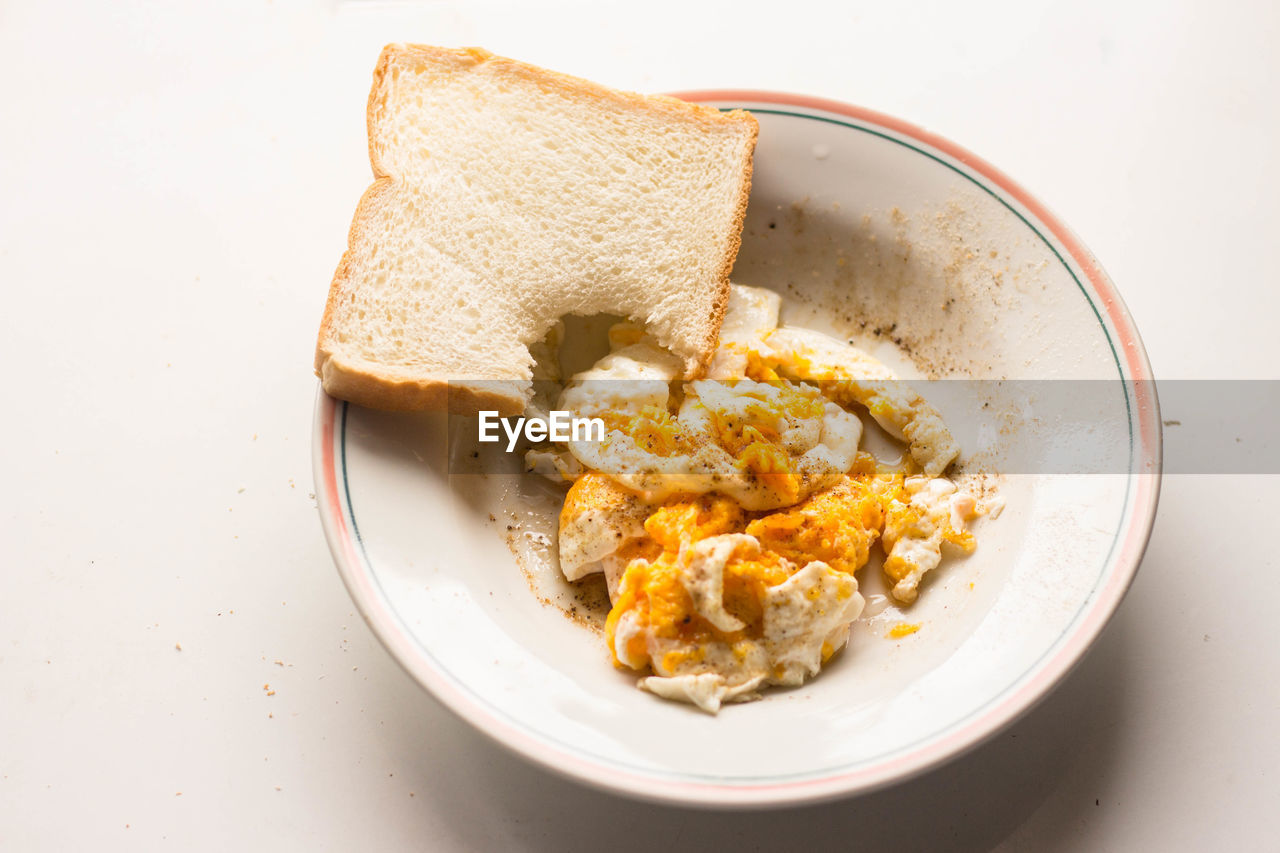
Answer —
176 181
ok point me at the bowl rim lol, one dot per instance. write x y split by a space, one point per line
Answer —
965 735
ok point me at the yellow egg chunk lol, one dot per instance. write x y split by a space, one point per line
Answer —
598 518
654 429
689 521
837 526
925 514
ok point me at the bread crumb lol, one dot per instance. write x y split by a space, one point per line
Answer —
269 691
178 646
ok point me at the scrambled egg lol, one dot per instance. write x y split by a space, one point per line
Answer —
730 515
765 444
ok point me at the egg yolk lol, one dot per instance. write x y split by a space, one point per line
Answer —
837 526
653 429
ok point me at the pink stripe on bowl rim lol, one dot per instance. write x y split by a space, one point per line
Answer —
1017 700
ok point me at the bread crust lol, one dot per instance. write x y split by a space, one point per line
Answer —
408 393
396 389
734 243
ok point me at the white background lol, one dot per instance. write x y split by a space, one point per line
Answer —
176 181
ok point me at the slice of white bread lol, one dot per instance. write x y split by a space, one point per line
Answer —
506 196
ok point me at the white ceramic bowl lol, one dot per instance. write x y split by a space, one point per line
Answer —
863 222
